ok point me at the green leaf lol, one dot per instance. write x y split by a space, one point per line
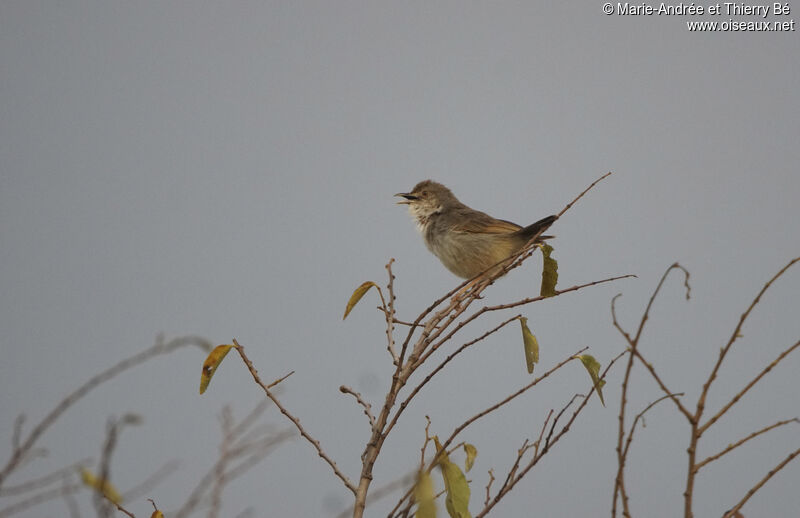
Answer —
356 296
425 496
593 366
455 484
531 345
471 452
549 272
213 360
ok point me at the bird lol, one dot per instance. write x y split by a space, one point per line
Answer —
467 242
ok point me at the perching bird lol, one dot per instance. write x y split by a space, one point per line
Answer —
465 240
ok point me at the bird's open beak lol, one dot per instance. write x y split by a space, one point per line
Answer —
408 198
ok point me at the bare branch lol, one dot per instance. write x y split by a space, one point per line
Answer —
743 440
69 498
672 395
17 433
45 480
137 359
760 484
441 366
234 445
570 204
486 309
382 492
640 416
736 334
622 455
747 387
122 509
315 443
226 423
510 397
513 471
39 498
390 312
367 407
489 487
558 292
150 482
103 501
279 380
249 420
260 450
558 416
500 494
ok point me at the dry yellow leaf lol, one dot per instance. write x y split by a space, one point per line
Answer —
213 360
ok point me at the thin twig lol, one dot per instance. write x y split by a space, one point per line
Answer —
253 452
640 416
558 292
137 359
536 459
397 320
122 509
736 334
102 501
410 491
622 457
262 449
486 309
743 440
69 498
441 366
315 443
226 423
17 432
45 480
489 487
249 420
279 380
148 484
538 442
344 389
382 492
513 471
697 430
633 342
39 498
390 315
746 388
510 397
763 481
558 416
570 204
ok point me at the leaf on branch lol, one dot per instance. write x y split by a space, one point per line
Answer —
109 491
531 345
593 366
213 360
455 484
549 272
356 296
471 452
425 496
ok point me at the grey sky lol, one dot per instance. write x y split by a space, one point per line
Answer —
228 170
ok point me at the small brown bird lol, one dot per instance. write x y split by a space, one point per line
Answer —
465 240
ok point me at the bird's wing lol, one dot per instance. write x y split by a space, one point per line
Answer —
481 223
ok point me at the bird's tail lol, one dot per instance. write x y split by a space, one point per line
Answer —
540 226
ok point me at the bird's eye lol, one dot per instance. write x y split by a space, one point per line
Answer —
424 193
